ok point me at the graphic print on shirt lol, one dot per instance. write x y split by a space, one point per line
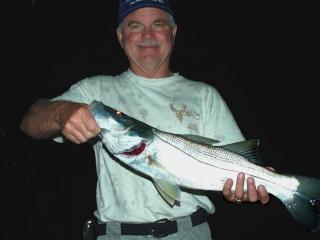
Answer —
188 117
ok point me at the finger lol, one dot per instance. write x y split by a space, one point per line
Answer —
71 138
85 127
227 193
74 132
75 136
263 194
239 186
91 126
245 196
87 131
252 194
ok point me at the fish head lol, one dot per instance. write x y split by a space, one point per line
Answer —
120 133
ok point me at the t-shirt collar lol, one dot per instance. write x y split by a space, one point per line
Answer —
151 82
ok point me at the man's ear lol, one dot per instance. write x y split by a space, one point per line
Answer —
120 36
174 33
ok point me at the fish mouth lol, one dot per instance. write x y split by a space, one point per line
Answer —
135 151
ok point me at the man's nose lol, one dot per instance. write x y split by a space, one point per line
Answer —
148 33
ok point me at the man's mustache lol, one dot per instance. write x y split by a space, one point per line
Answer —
149 43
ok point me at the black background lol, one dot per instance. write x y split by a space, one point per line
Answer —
262 58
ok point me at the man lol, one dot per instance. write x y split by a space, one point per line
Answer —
127 203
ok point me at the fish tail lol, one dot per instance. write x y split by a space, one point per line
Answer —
302 202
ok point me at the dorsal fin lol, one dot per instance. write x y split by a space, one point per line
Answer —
247 149
200 139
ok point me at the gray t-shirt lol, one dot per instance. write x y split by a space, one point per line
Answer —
174 104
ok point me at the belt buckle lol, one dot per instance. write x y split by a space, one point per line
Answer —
155 231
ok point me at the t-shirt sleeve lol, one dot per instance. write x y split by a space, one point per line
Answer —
84 91
219 123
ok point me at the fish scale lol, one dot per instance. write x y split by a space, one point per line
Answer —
221 159
174 160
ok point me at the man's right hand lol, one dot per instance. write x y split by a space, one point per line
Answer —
77 124
46 119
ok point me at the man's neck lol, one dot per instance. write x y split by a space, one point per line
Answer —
154 73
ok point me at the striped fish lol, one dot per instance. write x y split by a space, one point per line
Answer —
176 161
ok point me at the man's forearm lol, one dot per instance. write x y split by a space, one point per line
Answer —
42 119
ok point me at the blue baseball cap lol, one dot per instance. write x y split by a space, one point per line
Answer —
128 6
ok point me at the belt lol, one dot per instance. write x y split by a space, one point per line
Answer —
160 228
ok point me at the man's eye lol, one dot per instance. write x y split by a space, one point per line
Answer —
136 27
158 25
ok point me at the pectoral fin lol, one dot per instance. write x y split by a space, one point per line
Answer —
171 193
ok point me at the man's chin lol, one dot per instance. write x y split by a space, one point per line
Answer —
149 65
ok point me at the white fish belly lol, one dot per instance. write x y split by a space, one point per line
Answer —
209 172
189 171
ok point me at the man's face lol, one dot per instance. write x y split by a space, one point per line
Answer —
147 39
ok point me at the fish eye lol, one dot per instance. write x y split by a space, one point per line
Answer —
119 114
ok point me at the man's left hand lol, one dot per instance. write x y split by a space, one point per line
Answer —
253 193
